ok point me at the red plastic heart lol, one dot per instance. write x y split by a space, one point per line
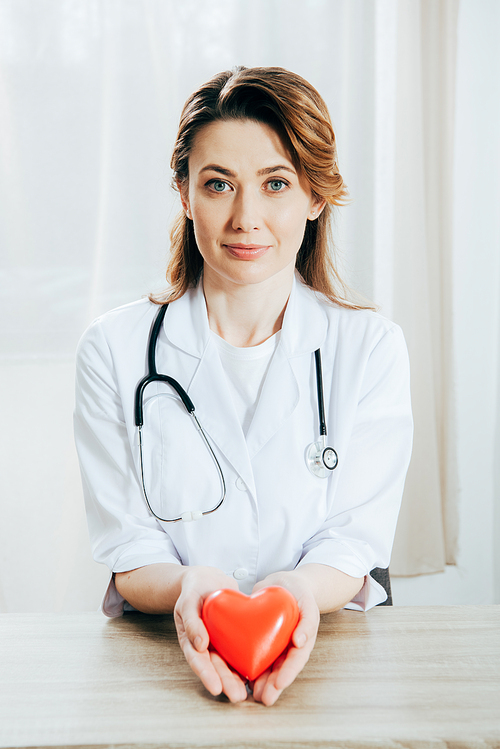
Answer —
250 632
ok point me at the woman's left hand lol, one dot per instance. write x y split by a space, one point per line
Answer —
269 685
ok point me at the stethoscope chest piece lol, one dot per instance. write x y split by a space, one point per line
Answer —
321 459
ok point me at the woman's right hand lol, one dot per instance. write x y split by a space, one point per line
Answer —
211 669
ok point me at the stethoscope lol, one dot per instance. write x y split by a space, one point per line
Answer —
320 458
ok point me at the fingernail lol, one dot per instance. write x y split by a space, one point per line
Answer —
301 640
198 642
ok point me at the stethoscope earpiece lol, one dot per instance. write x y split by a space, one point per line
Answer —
321 459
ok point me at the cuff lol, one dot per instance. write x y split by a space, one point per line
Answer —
370 595
113 603
342 556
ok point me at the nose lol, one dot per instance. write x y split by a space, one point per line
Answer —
245 212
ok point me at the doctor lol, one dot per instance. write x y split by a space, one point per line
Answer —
252 295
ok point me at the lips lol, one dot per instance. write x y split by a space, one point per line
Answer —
247 251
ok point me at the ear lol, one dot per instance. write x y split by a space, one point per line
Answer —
316 209
184 193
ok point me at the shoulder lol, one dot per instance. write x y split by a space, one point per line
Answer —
369 346
362 324
127 317
367 351
352 326
118 328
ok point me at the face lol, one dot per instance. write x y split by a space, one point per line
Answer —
248 204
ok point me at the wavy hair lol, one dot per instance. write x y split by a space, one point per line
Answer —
294 109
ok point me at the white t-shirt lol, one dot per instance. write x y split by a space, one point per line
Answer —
246 370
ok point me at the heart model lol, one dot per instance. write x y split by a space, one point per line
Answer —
250 632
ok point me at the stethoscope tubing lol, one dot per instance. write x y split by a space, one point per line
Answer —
319 388
316 454
194 515
153 376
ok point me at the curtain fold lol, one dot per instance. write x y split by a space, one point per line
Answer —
422 271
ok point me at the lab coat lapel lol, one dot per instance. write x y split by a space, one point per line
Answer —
186 326
215 410
303 331
278 399
186 322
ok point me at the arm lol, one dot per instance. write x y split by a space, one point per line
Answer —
156 588
153 589
167 588
122 533
330 588
163 588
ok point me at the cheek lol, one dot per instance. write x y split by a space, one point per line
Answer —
291 223
208 218
204 226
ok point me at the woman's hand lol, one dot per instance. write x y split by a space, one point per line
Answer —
215 674
161 588
269 685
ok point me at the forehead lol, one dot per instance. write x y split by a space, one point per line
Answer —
238 143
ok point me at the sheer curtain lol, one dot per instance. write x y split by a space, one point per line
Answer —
421 261
90 94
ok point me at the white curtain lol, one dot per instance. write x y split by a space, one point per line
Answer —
90 95
420 257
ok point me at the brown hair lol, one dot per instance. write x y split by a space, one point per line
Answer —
295 110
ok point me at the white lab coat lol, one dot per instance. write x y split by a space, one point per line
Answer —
277 515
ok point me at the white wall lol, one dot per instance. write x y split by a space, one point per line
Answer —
476 578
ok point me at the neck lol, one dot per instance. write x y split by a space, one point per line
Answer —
246 315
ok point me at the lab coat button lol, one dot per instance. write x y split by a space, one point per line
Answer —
240 573
240 484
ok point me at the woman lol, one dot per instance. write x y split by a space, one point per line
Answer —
253 294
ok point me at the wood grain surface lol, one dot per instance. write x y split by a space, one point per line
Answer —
410 677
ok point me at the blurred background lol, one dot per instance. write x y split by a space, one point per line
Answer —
90 97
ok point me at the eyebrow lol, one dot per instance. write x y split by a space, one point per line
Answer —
260 173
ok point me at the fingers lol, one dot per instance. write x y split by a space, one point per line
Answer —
306 630
210 668
193 639
303 640
269 686
198 583
187 618
202 666
233 685
293 664
266 683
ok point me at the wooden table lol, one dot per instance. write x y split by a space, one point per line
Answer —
394 677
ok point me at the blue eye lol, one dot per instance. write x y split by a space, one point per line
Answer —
218 185
276 185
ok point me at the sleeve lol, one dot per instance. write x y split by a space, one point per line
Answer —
359 534
123 534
